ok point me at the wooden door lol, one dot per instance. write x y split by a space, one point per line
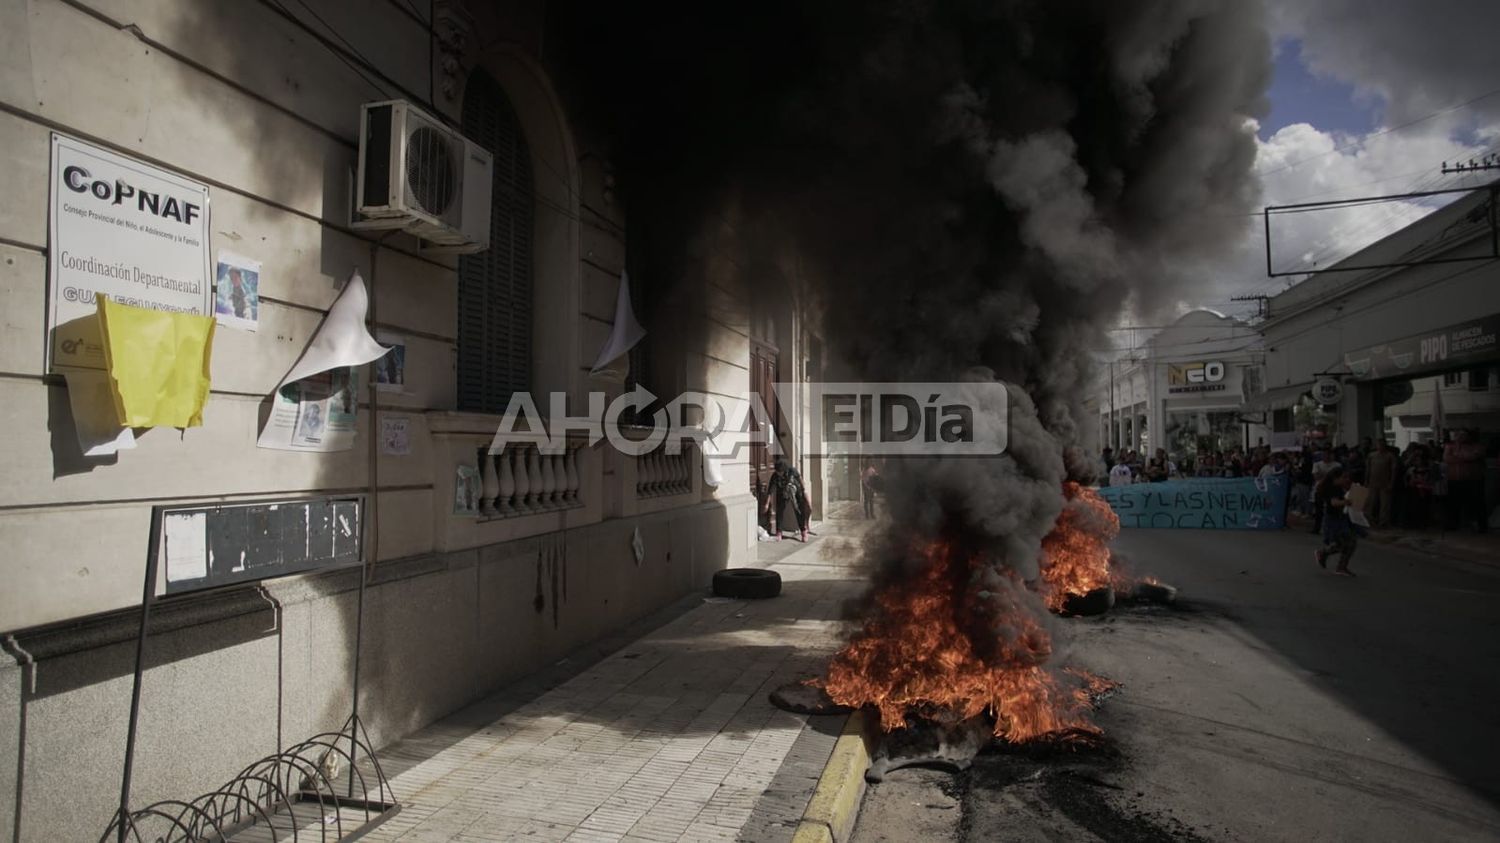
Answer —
763 375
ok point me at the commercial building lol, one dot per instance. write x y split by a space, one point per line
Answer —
1402 350
1181 389
259 104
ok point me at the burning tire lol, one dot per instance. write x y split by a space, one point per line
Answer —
1096 602
747 583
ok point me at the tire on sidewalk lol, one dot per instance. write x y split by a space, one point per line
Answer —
747 583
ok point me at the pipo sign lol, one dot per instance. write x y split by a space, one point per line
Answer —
1327 391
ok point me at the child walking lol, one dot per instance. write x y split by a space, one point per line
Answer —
1339 532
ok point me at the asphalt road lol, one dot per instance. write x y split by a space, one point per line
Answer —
1279 702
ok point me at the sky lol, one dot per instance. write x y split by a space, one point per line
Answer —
1297 95
1366 99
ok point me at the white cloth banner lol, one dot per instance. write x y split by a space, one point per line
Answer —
95 419
626 333
713 476
301 418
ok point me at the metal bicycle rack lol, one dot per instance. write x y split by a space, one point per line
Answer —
329 787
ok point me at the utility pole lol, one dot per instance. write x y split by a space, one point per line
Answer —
1488 162
1111 436
1262 304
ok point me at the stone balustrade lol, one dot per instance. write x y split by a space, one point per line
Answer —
660 474
522 480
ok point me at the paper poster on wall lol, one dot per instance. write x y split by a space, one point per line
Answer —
314 407
237 292
158 364
390 370
184 537
395 436
466 491
316 413
125 229
95 420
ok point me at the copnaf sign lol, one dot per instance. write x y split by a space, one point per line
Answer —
1195 377
1457 346
125 229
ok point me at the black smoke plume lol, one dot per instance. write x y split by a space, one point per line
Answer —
981 188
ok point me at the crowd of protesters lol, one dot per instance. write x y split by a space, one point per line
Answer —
1425 485
1135 467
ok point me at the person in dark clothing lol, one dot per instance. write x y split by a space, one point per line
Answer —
1339 532
1234 466
1463 463
1156 468
1302 483
1320 471
1420 485
870 483
785 489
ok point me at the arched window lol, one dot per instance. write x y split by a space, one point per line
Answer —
494 286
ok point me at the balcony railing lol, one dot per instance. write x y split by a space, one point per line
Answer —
521 480
660 474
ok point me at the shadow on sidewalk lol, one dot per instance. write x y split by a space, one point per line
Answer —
698 670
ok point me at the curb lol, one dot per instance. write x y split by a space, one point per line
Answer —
834 806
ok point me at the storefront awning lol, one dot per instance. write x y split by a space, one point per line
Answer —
1441 350
1276 399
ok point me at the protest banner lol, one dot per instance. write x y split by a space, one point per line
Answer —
1248 503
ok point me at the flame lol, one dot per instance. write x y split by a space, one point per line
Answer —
916 654
1093 684
1075 555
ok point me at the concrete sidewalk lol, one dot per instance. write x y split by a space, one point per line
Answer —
665 734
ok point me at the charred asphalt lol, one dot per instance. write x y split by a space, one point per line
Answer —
1273 702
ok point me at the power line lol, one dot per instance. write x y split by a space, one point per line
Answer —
1425 288
1364 138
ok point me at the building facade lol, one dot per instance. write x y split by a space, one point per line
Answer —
260 102
1181 389
1413 348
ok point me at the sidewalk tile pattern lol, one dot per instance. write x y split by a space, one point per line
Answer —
670 738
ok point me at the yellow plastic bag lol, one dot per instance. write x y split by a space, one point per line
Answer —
157 363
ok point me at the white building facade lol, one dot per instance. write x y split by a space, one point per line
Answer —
261 103
1414 349
1181 389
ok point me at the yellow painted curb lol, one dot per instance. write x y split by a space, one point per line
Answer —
830 814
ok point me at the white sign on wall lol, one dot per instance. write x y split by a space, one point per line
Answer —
118 226
1327 391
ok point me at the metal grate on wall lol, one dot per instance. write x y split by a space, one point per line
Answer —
494 287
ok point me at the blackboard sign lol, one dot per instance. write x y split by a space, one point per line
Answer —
207 546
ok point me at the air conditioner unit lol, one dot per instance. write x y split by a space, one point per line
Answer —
418 175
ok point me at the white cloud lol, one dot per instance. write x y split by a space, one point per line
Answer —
1418 58
1420 61
1301 163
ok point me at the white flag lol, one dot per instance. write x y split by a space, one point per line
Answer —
342 339
627 331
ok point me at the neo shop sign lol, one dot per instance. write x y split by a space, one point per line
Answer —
1195 377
